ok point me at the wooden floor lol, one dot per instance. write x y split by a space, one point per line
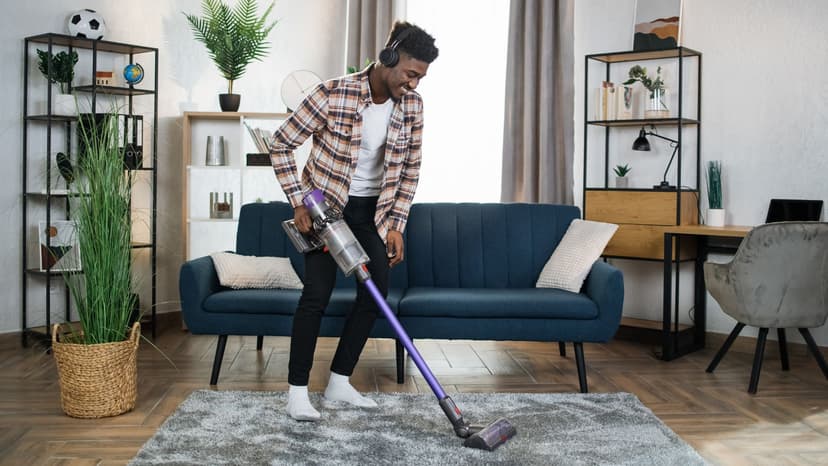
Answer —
785 423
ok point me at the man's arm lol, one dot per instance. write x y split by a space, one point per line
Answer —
409 177
304 121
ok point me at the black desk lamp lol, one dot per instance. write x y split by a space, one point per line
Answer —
641 143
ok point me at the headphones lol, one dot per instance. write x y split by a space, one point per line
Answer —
389 56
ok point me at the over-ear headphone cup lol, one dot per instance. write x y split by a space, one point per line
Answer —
389 57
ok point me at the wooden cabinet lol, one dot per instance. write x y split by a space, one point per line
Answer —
642 217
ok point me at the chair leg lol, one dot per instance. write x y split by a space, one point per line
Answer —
579 361
259 342
562 348
400 362
757 360
815 350
726 346
222 342
783 348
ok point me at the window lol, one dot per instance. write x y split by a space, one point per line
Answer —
463 96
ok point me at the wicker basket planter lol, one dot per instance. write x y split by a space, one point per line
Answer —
97 380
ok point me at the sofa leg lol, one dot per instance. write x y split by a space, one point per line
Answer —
579 361
400 362
222 342
259 342
562 348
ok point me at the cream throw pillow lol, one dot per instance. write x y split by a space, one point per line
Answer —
236 271
571 261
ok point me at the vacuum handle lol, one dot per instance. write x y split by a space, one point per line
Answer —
400 331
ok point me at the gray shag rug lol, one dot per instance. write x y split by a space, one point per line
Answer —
251 428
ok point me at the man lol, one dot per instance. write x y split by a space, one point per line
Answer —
367 132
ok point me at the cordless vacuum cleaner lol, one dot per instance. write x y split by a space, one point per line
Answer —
331 231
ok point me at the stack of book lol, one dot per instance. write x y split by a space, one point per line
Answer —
261 139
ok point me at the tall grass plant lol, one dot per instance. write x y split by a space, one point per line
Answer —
102 294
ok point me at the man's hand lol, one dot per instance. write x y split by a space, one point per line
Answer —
394 242
302 219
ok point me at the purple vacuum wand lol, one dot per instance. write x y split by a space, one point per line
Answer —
351 258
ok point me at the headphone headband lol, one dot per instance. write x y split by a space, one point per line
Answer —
389 55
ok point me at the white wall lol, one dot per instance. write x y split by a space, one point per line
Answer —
309 36
764 96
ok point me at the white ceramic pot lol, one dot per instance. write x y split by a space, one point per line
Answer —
622 182
715 217
63 104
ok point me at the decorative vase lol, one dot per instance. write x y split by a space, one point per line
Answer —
97 380
657 104
715 217
215 152
229 102
621 182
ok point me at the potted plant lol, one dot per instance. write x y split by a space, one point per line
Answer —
657 102
234 38
59 69
715 212
621 180
97 361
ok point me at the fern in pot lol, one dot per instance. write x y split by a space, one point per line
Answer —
234 38
97 362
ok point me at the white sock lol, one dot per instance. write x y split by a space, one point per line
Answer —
339 389
299 406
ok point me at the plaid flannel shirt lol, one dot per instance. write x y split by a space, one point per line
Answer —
332 114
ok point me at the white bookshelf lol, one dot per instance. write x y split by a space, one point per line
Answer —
202 234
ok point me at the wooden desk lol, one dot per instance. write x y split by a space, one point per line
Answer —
677 341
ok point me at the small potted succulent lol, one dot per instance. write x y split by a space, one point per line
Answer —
59 69
657 101
621 180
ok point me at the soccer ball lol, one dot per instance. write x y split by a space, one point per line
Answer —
86 24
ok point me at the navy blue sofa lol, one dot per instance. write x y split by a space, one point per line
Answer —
469 273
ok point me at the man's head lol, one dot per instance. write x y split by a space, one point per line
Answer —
405 59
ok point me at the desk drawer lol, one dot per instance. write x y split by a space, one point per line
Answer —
640 207
645 242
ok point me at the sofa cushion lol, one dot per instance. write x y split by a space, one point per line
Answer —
282 302
239 272
532 303
482 245
570 263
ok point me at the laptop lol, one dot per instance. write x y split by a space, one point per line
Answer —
794 210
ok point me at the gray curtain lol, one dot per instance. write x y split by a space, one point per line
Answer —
538 127
369 22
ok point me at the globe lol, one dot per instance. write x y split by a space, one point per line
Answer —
133 73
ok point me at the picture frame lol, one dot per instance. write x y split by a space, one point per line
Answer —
657 24
58 246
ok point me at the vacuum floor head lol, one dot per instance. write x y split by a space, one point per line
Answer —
492 436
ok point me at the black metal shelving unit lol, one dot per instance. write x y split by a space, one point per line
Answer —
56 203
673 339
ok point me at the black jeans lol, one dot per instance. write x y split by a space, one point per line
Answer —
320 277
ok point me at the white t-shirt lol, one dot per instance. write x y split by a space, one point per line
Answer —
367 179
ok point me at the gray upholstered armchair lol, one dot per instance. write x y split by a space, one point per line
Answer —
777 279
